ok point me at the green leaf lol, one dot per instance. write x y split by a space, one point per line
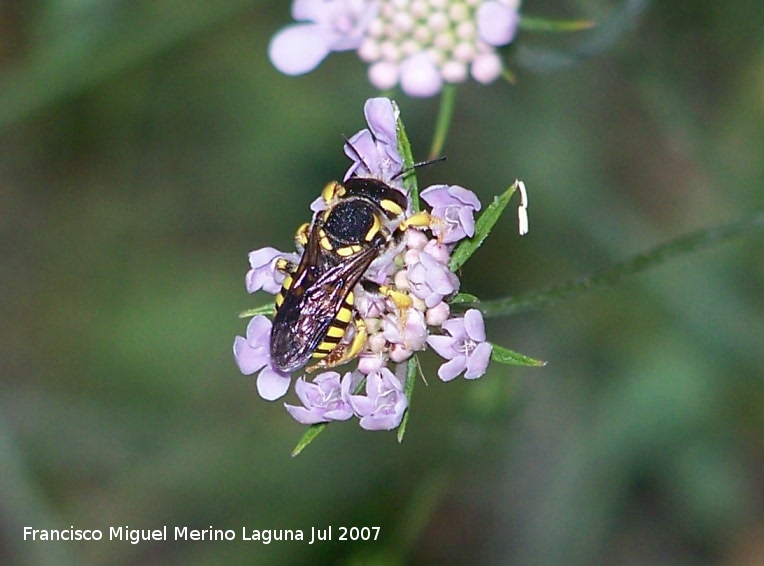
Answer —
412 369
404 148
483 227
507 356
542 24
264 309
461 298
310 434
683 245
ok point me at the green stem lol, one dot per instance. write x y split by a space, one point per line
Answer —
680 246
443 123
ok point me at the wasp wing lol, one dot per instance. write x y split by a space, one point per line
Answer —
319 290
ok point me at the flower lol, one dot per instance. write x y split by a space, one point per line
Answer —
264 274
455 206
408 330
465 348
253 354
420 44
330 25
384 404
374 150
431 280
324 399
399 297
423 45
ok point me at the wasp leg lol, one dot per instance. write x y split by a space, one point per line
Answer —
402 301
285 266
420 219
301 236
342 353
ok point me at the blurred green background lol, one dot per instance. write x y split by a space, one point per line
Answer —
147 146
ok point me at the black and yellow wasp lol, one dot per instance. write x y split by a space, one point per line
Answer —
363 219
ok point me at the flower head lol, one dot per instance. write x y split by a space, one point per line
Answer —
418 44
384 404
324 399
253 354
400 294
465 347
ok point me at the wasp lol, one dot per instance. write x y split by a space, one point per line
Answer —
315 315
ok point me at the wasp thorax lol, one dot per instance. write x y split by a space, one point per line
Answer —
352 222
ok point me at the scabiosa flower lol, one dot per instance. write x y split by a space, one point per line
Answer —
465 347
422 44
418 44
253 354
401 302
325 399
383 405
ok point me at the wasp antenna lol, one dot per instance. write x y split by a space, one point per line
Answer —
417 165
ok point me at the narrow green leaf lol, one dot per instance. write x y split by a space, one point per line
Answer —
683 245
412 369
461 298
404 148
310 435
541 24
264 309
483 227
507 356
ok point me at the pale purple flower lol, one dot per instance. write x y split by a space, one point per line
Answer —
420 45
423 45
369 362
329 25
412 335
324 399
253 354
454 207
264 274
420 77
465 347
374 151
384 404
431 280
497 21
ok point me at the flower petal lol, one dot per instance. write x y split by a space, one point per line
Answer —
486 68
449 370
299 48
306 416
272 384
248 359
474 325
380 116
420 77
497 23
477 363
443 345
